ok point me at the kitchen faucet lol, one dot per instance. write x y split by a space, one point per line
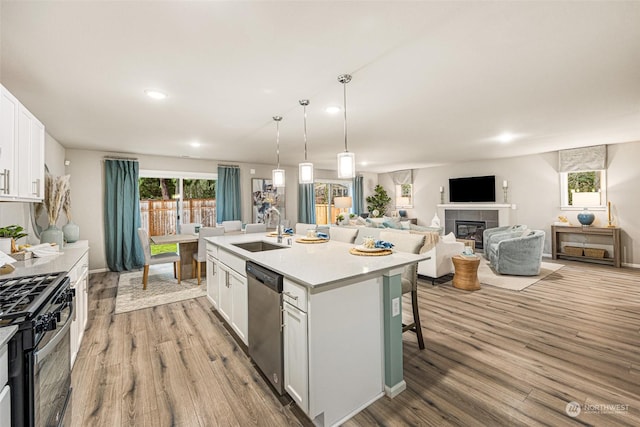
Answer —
279 226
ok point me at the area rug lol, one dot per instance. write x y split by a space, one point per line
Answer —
162 288
488 276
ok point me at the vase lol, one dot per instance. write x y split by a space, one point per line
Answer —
71 232
52 235
586 218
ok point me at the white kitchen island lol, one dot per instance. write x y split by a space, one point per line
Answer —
342 317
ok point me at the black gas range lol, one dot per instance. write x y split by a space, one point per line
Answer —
42 306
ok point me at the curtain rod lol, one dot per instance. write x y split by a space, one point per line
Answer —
134 159
228 166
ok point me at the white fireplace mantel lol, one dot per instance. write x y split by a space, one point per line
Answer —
504 210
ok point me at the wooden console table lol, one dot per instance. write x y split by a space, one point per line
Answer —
611 235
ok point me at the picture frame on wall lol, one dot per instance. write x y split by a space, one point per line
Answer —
264 196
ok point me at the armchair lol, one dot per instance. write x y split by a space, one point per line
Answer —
486 234
518 254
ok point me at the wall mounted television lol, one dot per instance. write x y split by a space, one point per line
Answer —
472 189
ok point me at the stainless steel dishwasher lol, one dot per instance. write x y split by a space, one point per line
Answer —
265 323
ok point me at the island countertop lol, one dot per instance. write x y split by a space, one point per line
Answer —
314 264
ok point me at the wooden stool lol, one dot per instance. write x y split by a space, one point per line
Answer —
466 272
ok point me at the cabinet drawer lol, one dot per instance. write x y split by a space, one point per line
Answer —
5 407
212 250
233 261
4 365
295 294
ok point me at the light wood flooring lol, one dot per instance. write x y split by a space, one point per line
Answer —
493 358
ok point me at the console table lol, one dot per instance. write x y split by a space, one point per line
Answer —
564 234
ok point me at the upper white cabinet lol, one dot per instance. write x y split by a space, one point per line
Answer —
21 151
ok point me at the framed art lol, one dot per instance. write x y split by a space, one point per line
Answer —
264 196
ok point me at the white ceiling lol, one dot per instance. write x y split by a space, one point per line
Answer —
433 82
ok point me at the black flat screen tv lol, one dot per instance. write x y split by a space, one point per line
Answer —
472 189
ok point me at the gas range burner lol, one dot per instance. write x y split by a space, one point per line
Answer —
22 297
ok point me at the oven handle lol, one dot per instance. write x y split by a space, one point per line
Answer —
44 351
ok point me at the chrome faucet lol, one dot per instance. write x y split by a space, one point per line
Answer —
279 226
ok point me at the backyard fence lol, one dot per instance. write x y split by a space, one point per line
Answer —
159 217
321 213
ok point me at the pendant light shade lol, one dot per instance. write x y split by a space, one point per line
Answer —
305 169
346 159
277 174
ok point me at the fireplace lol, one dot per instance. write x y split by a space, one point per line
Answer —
470 230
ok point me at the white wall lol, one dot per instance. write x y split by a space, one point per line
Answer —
534 188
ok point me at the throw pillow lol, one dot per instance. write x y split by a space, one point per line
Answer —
449 238
392 224
405 225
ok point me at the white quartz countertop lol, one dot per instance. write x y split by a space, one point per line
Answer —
64 261
6 333
315 264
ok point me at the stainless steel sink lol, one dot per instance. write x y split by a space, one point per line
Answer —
258 246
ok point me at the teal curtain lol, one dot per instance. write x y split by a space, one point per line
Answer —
122 215
358 195
306 204
228 202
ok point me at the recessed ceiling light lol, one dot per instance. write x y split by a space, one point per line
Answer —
155 94
333 110
506 137
195 144
364 163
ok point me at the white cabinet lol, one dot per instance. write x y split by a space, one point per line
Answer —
213 280
231 297
79 276
21 151
240 305
296 356
5 396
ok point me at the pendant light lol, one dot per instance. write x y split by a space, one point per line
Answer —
278 174
346 160
305 169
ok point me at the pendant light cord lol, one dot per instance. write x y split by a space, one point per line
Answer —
277 119
305 131
344 86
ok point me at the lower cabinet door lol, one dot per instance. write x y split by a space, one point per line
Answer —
240 310
225 302
296 356
213 281
5 407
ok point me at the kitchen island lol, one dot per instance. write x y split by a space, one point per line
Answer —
343 336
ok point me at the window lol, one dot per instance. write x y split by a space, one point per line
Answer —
583 189
404 195
170 199
325 193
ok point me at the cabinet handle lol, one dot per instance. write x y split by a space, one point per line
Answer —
294 297
36 185
282 317
5 174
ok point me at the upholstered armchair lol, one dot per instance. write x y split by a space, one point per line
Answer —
518 254
486 234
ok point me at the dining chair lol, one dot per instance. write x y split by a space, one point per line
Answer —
346 235
301 228
189 228
201 256
411 243
163 258
232 225
255 228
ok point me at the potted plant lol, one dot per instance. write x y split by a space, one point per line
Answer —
339 219
10 234
377 203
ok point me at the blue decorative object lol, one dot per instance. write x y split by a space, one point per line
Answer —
402 213
381 244
322 235
586 218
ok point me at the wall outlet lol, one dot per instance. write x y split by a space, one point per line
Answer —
252 171
395 307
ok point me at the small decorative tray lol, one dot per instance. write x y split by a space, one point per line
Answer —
311 240
21 256
368 252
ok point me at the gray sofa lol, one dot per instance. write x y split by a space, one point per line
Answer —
517 253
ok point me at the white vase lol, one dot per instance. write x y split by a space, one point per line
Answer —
71 232
5 245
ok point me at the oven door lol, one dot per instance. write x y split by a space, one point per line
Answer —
52 372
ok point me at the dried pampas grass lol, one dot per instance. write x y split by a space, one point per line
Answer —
55 191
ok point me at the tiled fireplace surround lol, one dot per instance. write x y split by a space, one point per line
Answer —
495 215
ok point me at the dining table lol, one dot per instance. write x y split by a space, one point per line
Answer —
187 246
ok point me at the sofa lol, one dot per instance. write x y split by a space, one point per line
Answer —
440 249
517 253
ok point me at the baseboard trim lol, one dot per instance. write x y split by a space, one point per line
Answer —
396 389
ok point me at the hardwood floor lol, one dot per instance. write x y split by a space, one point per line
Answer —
493 357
